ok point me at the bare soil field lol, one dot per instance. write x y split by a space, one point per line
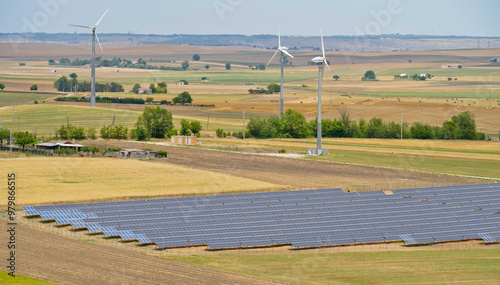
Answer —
299 173
63 260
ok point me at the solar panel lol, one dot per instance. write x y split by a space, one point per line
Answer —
305 218
30 210
487 237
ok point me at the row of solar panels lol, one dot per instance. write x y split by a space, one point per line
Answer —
153 222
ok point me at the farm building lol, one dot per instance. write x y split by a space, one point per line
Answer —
53 145
191 140
145 91
132 153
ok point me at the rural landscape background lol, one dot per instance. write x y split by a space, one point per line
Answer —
423 84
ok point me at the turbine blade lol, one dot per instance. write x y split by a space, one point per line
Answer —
322 44
101 17
97 38
81 26
287 53
326 63
274 56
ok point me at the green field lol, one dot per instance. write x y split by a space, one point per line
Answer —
478 266
14 99
20 280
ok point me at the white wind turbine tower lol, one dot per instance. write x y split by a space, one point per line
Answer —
94 37
321 62
282 50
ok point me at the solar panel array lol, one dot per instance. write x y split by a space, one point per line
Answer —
306 218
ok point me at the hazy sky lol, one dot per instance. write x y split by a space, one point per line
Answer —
296 17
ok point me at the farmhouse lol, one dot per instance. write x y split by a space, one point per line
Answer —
191 140
54 144
132 153
145 91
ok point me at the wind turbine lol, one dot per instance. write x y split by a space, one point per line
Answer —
94 37
321 62
282 50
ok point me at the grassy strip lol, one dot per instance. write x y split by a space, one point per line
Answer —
480 266
20 280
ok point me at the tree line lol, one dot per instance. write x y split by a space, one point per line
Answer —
63 84
294 125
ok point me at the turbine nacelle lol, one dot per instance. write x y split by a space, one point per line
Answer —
318 60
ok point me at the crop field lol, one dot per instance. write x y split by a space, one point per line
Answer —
60 179
229 165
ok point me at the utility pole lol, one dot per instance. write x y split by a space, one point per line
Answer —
486 133
208 120
10 141
401 125
243 124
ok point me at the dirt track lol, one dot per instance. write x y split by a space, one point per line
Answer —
63 260
299 173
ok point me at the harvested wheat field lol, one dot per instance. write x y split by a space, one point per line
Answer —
59 179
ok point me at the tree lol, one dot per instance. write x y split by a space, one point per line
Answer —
24 138
466 125
185 65
52 62
421 131
183 98
152 87
196 57
228 66
116 132
156 121
91 133
336 77
4 135
370 75
261 66
2 87
34 87
207 66
274 88
141 134
62 84
136 88
196 127
90 148
73 76
185 125
294 124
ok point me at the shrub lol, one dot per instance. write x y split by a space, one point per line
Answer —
162 153
65 151
220 133
282 151
90 148
172 132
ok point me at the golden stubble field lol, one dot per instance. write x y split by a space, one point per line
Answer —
42 180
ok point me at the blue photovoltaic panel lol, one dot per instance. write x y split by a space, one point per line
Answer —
487 237
408 239
305 218
30 210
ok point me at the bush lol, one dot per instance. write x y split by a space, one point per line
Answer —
113 149
65 151
90 148
220 133
282 151
140 134
172 132
162 153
